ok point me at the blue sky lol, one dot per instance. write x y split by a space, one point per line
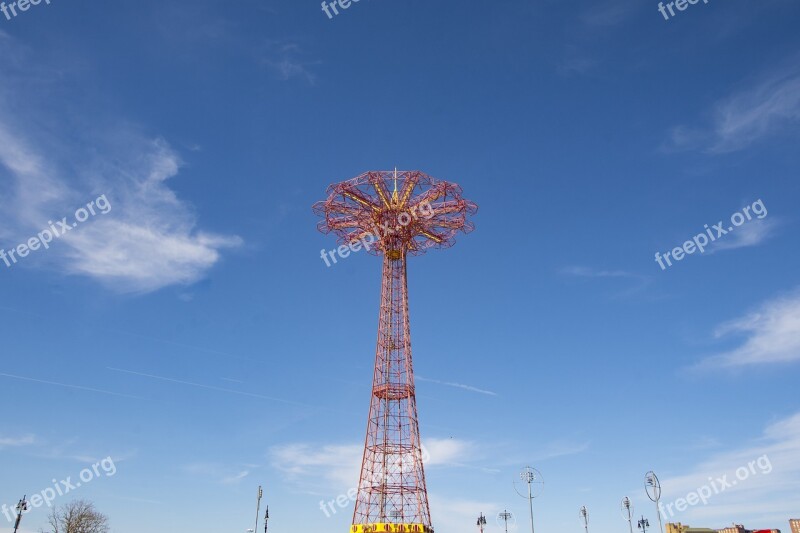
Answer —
193 334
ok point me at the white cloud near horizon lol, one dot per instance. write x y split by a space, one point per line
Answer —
337 466
771 334
763 499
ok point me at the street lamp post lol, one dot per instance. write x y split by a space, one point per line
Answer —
22 506
506 516
481 522
644 523
266 519
531 476
585 517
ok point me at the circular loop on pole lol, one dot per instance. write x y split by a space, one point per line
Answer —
504 518
652 486
535 481
626 508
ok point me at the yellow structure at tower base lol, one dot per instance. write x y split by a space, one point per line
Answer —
390 527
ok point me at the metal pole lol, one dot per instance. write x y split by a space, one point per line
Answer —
21 507
630 516
266 519
530 501
258 507
481 522
505 515
658 512
585 516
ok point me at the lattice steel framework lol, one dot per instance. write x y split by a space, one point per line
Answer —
394 214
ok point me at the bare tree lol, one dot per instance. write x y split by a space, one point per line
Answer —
79 516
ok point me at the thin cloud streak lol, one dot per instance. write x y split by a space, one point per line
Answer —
209 387
457 385
77 387
744 118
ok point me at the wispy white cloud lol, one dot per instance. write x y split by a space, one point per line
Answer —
67 385
230 480
147 241
771 335
559 448
587 272
24 440
337 466
764 499
457 385
770 106
307 464
202 386
608 13
753 233
283 59
220 473
151 239
452 513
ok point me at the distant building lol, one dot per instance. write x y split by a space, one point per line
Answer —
736 528
795 525
680 528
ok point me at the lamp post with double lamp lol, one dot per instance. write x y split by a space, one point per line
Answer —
266 519
644 523
22 506
481 522
584 514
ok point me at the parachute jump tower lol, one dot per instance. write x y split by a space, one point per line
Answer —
405 213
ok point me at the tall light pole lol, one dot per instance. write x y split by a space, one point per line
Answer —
584 513
627 512
266 519
22 506
653 488
644 523
505 516
258 506
481 522
533 478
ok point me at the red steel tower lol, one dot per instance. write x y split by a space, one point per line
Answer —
394 214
